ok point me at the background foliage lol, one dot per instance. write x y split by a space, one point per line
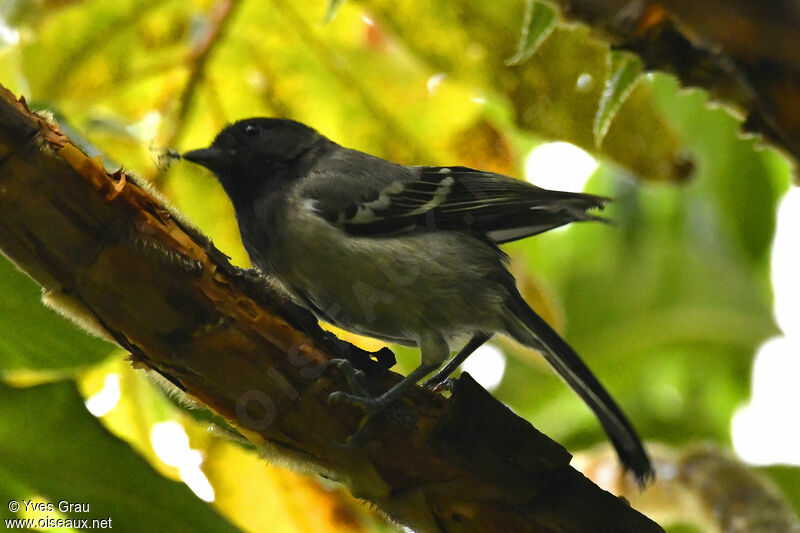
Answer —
668 307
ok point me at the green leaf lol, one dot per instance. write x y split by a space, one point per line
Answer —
539 23
742 180
624 70
37 338
552 95
76 459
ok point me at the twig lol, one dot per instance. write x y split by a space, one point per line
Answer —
197 60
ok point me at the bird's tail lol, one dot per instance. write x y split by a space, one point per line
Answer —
528 328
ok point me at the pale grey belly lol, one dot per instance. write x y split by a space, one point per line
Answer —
393 288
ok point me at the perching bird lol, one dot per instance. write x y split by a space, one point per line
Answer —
405 254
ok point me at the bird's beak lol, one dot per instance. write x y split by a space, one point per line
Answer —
211 158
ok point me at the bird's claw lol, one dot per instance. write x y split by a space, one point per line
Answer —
369 404
359 397
436 386
373 408
355 378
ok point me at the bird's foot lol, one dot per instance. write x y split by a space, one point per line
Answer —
371 405
373 408
355 378
437 385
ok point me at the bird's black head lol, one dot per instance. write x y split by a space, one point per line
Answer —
255 152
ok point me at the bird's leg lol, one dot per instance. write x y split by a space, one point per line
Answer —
372 405
434 350
440 379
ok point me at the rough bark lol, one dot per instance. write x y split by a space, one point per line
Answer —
111 251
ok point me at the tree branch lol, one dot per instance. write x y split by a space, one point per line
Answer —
107 248
746 53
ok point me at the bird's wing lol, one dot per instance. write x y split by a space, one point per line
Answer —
460 198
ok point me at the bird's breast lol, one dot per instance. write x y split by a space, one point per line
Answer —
388 287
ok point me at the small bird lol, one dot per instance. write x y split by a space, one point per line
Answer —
404 254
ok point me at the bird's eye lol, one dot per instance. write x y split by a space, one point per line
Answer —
251 130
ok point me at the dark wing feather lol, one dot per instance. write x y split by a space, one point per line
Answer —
460 198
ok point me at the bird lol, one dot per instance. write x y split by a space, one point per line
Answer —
405 254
